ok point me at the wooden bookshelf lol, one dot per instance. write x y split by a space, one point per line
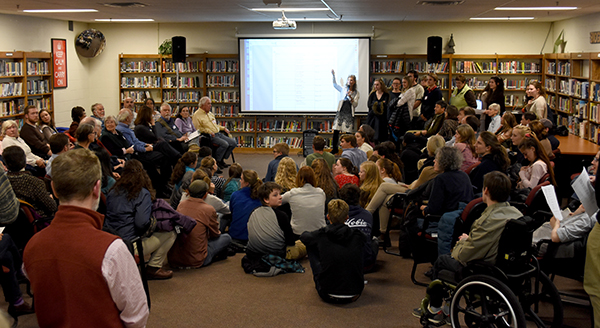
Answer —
25 79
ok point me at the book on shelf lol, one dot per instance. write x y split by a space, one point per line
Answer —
550 68
225 110
594 92
184 96
140 82
270 141
223 66
187 67
213 81
184 82
518 67
11 68
137 96
11 89
224 96
40 103
35 87
564 68
244 141
12 107
470 67
321 126
387 66
147 66
38 68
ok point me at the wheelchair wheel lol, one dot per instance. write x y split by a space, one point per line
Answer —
484 301
544 307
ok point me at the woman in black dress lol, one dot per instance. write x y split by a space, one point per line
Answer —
377 115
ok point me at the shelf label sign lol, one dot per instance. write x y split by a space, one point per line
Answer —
595 37
59 62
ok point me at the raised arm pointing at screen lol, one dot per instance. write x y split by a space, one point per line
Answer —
345 113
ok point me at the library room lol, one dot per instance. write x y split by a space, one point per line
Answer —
297 163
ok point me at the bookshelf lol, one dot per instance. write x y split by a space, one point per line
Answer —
25 79
516 71
572 82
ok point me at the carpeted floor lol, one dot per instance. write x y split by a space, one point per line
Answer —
222 295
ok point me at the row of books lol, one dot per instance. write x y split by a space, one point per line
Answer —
564 104
137 96
216 66
225 110
187 67
321 126
551 68
11 107
270 141
38 86
279 126
184 82
580 108
40 103
11 89
595 91
594 113
10 68
387 66
19 121
140 82
221 81
424 67
513 100
564 68
184 96
517 67
147 66
550 84
244 141
551 100
469 67
239 125
517 84
38 68
224 96
574 88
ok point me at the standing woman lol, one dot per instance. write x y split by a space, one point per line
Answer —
402 116
462 95
432 95
46 124
493 94
377 115
345 113
537 104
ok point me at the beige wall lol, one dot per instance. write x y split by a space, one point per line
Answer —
96 79
577 33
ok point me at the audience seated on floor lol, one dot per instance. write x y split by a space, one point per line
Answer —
128 211
242 203
318 147
286 174
72 247
480 244
307 203
232 184
205 243
280 150
27 187
269 229
350 150
210 166
223 211
345 172
361 219
508 122
324 180
182 172
370 179
335 253
541 132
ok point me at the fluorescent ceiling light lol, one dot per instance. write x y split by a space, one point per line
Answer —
124 20
501 18
60 11
536 8
314 19
288 9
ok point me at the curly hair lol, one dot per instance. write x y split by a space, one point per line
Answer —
186 160
371 182
286 174
133 179
448 158
324 179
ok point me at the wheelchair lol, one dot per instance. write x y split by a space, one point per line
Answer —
505 294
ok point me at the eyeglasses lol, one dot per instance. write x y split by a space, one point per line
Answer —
595 159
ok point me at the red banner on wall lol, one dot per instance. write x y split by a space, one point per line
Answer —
59 62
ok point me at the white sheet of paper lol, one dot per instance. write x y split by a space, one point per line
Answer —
193 135
586 193
550 195
2 229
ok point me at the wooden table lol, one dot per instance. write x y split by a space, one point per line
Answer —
574 145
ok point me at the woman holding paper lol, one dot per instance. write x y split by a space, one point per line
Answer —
345 113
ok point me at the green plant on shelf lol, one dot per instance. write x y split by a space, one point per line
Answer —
166 48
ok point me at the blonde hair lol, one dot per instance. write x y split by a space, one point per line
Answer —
467 136
7 124
434 143
337 210
286 173
371 182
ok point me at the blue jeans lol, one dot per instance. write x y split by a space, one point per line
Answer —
226 146
216 246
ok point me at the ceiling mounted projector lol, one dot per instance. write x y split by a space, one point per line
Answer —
284 24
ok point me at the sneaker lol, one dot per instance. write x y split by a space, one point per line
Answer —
417 312
435 317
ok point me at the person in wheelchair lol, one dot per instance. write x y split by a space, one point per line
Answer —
480 244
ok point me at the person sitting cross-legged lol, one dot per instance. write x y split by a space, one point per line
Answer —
336 256
480 244
205 244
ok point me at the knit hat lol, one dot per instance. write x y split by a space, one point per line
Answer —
546 123
197 189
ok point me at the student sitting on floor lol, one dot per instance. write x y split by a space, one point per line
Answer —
336 257
269 229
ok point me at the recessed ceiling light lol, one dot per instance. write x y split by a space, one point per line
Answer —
288 9
536 8
501 18
60 11
124 20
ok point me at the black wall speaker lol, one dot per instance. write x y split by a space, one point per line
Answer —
179 49
434 49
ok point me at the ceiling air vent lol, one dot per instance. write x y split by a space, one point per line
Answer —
125 4
440 3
